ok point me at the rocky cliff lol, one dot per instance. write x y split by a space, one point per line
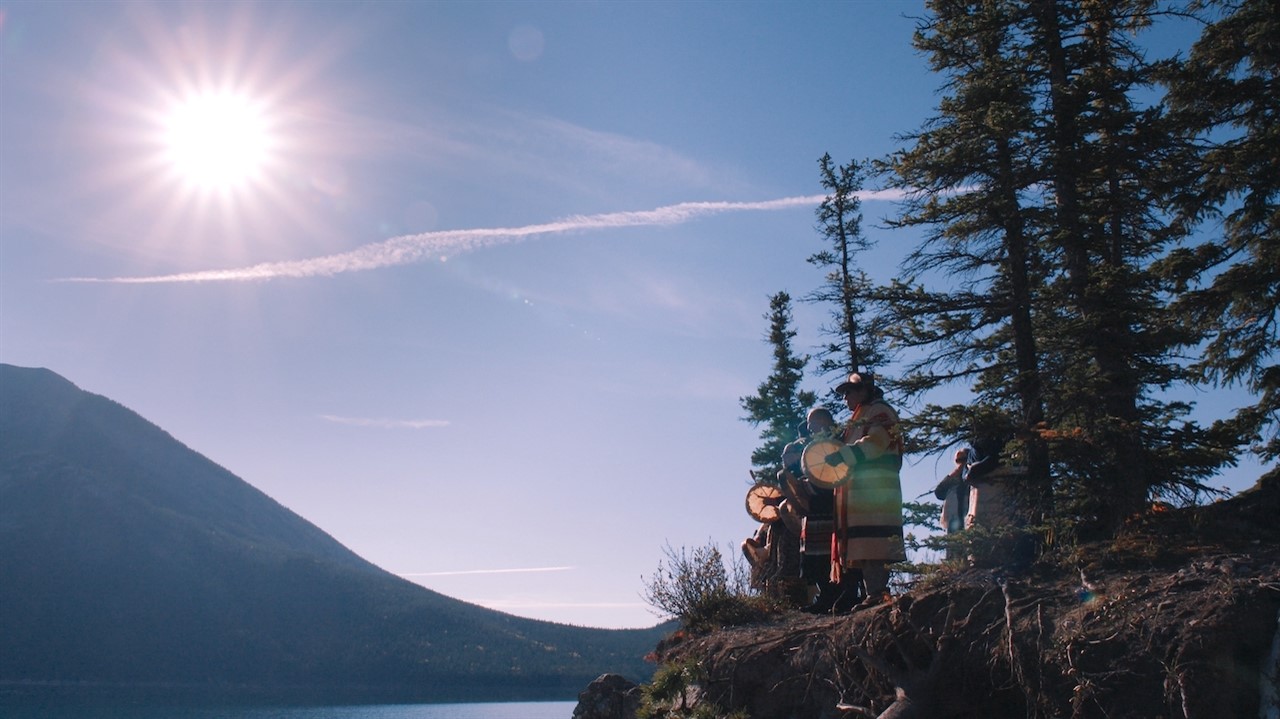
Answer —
1176 618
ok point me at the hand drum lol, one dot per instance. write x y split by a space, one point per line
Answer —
814 461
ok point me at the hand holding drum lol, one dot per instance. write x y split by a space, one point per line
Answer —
824 464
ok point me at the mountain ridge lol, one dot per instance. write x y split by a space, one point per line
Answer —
134 560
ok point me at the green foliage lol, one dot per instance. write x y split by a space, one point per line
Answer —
1048 272
695 587
667 697
1224 96
924 546
779 404
853 344
668 694
981 245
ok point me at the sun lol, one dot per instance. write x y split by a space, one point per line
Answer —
218 141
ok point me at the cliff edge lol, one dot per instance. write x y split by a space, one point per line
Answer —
1175 618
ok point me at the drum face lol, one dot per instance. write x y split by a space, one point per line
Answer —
814 461
763 501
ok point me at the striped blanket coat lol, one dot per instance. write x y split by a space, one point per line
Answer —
868 504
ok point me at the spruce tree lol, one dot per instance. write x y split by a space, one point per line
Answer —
968 170
1038 184
1115 338
779 405
852 344
1227 96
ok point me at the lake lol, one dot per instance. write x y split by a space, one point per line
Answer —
507 710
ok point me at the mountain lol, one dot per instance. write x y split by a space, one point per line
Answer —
129 560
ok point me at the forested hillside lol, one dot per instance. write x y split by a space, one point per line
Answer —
130 560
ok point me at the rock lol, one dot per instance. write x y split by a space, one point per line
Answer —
610 696
1176 618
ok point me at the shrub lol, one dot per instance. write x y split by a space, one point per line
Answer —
668 696
695 587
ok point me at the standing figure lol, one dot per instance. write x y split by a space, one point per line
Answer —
979 493
842 594
987 504
954 494
774 552
868 504
786 534
993 507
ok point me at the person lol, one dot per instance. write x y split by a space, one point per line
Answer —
977 493
774 551
987 503
868 504
992 506
962 487
954 495
816 535
791 581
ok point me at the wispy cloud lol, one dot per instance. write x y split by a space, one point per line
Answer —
386 423
509 604
591 161
523 570
407 249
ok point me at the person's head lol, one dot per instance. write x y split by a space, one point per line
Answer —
857 389
819 419
791 455
802 430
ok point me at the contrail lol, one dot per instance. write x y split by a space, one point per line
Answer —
521 604
407 249
386 423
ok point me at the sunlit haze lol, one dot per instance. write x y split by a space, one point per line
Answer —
474 287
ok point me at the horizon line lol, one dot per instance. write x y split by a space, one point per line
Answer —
483 571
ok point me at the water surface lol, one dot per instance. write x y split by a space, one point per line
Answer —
80 710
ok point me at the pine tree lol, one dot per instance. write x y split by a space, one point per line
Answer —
1039 184
1115 340
852 344
1227 95
779 404
968 171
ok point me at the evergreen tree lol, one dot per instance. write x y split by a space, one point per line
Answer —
1039 185
968 170
1114 337
852 344
1227 95
779 404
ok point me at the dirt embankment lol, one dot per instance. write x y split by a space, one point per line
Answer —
1177 618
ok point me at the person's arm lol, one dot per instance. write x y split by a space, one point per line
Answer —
795 490
955 477
866 448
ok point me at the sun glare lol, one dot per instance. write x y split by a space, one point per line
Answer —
218 141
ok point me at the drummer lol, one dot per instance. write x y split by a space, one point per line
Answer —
773 553
816 536
869 508
820 422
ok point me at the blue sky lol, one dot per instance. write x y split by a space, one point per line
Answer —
484 309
